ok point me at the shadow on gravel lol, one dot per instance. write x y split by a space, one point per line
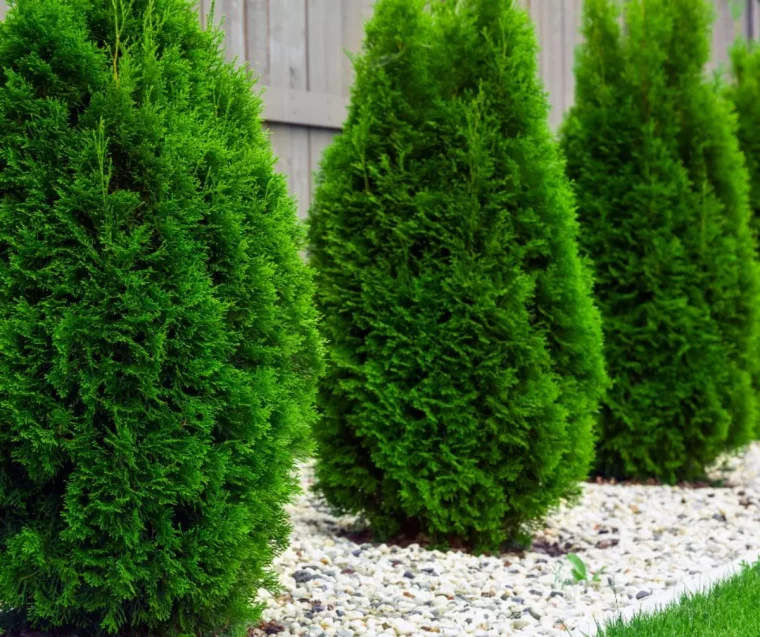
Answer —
404 540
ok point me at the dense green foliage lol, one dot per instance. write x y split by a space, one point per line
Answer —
744 92
158 352
465 350
663 205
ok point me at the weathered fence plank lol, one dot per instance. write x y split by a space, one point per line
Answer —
325 58
257 38
231 13
288 69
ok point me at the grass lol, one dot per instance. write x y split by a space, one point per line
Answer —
730 609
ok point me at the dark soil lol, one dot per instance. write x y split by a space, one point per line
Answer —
404 540
698 484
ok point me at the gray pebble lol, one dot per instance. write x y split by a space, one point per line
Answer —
301 577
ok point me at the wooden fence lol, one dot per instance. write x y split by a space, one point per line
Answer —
298 48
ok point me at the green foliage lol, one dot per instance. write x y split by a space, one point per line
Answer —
726 609
465 350
744 92
663 204
158 351
579 570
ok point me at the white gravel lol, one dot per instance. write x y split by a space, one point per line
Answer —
640 539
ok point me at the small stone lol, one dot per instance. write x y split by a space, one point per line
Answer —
301 577
403 627
356 553
519 624
408 575
556 594
535 613
643 594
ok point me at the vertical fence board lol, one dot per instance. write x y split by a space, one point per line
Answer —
326 69
548 16
287 44
291 145
288 68
231 13
753 19
325 53
351 38
257 37
354 13
571 39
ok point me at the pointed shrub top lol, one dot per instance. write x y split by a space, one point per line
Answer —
465 350
662 199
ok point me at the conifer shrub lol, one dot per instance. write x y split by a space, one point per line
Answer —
464 347
663 206
743 91
158 351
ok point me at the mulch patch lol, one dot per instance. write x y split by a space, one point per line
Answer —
554 549
266 628
402 540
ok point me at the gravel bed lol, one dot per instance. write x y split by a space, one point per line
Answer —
640 540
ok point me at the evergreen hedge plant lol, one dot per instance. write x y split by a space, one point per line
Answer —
743 91
158 351
464 347
663 205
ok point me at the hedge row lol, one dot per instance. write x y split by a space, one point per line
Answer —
159 345
465 385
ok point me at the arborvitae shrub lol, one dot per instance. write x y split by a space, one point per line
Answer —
465 350
662 200
158 352
744 92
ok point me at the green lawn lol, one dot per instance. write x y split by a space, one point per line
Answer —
731 609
